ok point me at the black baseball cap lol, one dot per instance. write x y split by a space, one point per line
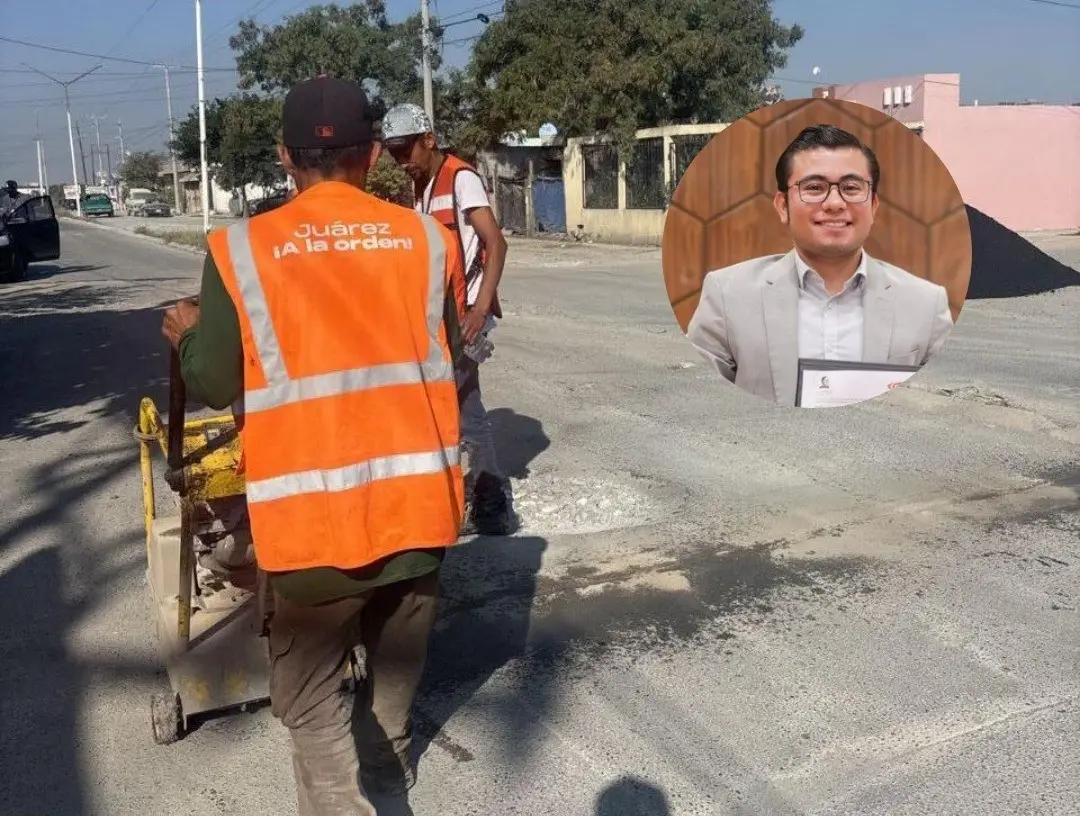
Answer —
326 112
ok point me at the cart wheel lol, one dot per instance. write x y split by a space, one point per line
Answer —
166 718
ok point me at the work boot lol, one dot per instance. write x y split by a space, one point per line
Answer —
489 511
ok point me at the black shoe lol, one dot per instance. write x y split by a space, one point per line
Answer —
490 511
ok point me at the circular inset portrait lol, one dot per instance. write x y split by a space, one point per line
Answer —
817 253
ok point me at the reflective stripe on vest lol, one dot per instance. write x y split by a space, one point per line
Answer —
283 390
351 476
280 389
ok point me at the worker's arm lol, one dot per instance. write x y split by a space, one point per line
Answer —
211 351
473 200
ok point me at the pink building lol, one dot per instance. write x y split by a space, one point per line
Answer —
1019 164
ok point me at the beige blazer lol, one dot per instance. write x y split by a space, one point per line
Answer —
746 322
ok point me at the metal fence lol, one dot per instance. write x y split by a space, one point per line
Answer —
601 177
683 151
645 176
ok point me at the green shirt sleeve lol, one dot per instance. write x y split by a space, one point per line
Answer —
212 353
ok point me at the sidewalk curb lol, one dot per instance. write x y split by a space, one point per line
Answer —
561 242
151 238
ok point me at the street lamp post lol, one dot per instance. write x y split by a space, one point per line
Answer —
202 118
71 136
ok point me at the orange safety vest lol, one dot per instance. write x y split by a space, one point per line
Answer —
351 426
443 205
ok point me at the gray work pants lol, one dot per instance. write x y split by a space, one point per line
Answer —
333 742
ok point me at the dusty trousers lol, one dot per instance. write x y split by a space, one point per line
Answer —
476 432
338 748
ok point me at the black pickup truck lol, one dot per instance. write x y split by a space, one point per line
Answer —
29 232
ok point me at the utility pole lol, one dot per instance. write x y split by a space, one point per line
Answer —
97 130
172 138
425 44
37 145
202 118
71 139
120 165
82 153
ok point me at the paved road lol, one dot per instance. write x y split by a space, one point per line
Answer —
713 607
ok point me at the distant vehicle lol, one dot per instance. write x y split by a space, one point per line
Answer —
152 208
271 202
98 204
28 234
136 197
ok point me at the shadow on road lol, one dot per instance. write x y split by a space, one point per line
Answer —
632 797
488 586
38 693
75 349
44 271
44 598
1005 265
518 439
70 355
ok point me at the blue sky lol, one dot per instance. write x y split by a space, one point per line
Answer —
1005 50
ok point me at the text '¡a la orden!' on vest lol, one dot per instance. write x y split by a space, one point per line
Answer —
342 237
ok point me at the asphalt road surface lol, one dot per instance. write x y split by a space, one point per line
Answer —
713 606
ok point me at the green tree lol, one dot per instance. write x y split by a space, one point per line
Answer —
142 169
186 139
457 115
613 66
388 181
249 136
357 42
241 141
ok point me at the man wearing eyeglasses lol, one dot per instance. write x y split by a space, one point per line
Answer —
826 299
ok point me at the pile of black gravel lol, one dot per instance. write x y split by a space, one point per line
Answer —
1004 265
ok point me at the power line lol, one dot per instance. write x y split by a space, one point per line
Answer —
102 95
134 25
127 60
468 11
1057 3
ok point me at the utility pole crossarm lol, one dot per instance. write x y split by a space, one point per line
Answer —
71 135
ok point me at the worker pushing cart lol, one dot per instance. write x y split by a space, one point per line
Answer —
334 319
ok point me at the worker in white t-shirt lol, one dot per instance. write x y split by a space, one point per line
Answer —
452 191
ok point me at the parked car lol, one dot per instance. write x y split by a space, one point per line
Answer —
98 204
28 234
153 208
271 202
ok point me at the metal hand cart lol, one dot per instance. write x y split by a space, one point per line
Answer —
210 620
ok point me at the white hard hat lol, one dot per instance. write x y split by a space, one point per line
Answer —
405 120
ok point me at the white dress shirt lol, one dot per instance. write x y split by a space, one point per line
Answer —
830 326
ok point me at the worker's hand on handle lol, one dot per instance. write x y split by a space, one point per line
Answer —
178 319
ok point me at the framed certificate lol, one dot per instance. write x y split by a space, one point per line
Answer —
833 383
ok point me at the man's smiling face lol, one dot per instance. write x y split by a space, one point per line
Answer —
834 227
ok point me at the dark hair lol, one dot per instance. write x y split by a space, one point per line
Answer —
829 137
325 160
